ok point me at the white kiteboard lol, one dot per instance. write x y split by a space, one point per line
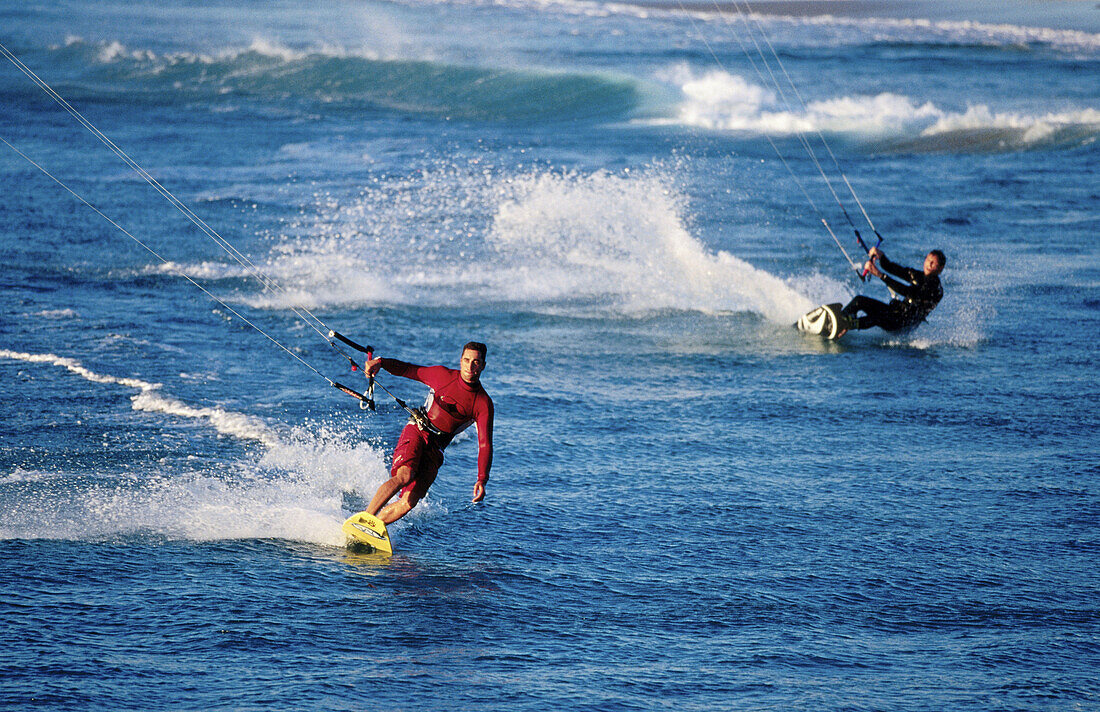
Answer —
363 528
827 321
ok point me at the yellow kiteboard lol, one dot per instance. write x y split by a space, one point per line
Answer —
368 529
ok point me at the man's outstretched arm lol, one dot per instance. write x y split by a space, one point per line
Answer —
484 422
397 368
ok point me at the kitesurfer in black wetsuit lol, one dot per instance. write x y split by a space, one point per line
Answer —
919 294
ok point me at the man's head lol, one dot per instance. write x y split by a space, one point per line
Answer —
934 262
473 362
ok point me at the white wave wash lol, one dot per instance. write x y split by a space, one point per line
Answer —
963 32
74 366
883 29
113 51
720 101
586 243
624 236
296 491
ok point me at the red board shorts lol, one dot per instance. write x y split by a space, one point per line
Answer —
415 450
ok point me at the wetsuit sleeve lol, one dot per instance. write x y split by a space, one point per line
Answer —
911 287
406 370
907 273
484 421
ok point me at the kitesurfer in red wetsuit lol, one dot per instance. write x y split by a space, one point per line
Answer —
455 401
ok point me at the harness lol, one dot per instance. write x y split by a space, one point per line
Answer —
420 419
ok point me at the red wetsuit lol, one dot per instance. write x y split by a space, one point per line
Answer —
452 405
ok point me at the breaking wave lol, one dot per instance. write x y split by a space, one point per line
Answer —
778 18
335 79
720 101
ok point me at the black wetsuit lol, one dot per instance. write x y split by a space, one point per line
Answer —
920 294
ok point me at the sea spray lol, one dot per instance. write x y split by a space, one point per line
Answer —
623 239
296 490
568 242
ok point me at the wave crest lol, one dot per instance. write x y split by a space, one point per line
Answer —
720 101
336 78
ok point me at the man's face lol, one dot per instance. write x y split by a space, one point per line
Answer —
932 264
471 366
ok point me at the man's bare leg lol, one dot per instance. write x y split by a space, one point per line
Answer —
395 510
389 488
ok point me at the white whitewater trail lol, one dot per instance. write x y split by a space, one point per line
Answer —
150 399
587 243
623 236
295 491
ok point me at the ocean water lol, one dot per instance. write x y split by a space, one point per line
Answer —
692 506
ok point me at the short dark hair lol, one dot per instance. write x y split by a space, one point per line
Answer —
475 346
939 255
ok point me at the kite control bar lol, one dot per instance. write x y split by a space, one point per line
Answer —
358 347
366 400
863 274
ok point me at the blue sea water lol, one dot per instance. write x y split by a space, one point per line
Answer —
692 506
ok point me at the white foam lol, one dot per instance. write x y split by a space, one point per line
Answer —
22 475
201 270
74 366
295 491
882 29
269 48
720 101
716 100
58 314
590 243
623 236
238 425
1032 129
963 32
150 399
114 51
